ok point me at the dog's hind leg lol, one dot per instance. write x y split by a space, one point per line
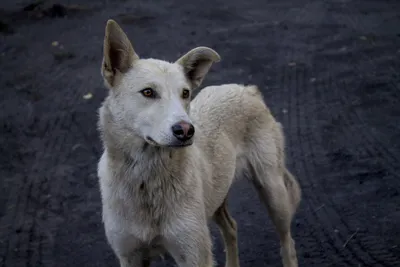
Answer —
275 195
228 228
276 186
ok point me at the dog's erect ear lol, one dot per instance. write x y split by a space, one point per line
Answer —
118 53
197 62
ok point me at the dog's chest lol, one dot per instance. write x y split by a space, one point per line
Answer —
142 197
153 200
155 194
142 209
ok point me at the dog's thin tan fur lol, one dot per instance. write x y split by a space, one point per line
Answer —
159 192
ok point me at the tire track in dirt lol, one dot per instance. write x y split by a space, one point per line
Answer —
370 136
367 132
350 120
36 193
43 194
360 249
373 140
290 80
385 150
375 146
308 169
348 123
36 207
372 153
28 198
54 198
305 168
327 215
313 200
360 252
22 197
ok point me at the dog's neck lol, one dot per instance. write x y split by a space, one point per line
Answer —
149 167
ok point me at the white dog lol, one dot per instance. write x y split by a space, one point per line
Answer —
169 161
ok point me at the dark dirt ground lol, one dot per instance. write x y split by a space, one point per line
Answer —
329 70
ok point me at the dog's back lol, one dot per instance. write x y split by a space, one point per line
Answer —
227 108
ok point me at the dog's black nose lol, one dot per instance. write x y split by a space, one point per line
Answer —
183 131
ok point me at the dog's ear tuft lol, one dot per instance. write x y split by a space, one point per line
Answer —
197 62
118 53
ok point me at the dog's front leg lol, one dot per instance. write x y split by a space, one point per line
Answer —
136 259
228 228
128 249
189 243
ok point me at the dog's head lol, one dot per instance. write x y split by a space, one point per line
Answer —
150 98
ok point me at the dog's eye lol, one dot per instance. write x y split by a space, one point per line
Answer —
148 92
185 93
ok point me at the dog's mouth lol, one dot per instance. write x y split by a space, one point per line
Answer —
182 144
151 141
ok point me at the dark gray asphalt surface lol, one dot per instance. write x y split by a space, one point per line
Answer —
329 70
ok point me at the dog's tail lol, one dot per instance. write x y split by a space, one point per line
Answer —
293 187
